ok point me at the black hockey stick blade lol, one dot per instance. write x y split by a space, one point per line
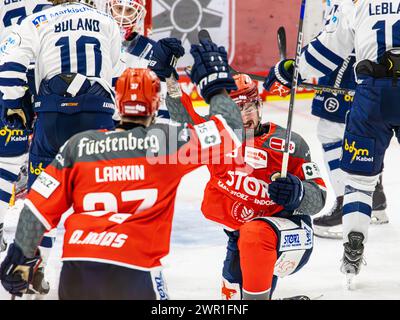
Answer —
204 35
282 43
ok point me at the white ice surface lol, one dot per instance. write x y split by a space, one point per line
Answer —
193 267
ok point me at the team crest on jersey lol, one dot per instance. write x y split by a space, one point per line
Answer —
40 21
242 213
255 158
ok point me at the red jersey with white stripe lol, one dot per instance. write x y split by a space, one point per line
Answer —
122 187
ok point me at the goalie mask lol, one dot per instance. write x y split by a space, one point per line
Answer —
248 100
138 93
129 14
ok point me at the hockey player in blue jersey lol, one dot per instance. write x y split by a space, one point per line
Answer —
13 142
332 109
371 28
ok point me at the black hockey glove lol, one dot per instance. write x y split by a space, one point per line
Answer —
16 271
279 79
210 71
288 192
164 57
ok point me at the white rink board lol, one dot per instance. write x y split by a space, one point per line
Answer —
193 267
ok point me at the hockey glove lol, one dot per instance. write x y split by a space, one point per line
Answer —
164 57
279 79
14 118
210 71
288 192
16 271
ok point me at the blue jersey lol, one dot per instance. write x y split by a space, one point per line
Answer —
333 107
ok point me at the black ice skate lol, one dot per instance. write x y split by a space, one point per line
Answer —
300 297
330 225
39 286
379 215
352 257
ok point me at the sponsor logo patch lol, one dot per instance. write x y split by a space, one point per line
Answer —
255 158
12 41
45 185
298 239
359 154
279 145
311 170
208 134
40 21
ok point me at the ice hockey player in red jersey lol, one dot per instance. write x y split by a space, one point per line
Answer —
121 186
268 222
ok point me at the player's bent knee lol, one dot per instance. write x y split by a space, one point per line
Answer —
257 234
258 253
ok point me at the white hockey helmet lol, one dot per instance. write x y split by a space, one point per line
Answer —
128 13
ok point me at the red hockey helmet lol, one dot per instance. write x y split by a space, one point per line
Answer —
248 100
247 90
138 93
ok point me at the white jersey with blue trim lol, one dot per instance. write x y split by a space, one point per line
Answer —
13 11
68 38
370 27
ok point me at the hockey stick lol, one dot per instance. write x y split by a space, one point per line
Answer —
281 35
305 85
285 159
282 42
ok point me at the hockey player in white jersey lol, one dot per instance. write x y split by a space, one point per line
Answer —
371 28
13 143
331 108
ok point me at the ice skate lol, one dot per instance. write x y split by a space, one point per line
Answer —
330 225
379 205
39 286
352 257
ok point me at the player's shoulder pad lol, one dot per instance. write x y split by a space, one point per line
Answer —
298 147
69 151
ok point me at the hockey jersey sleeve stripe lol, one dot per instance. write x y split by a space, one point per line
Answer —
13 75
11 82
334 164
37 214
314 63
324 51
12 66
